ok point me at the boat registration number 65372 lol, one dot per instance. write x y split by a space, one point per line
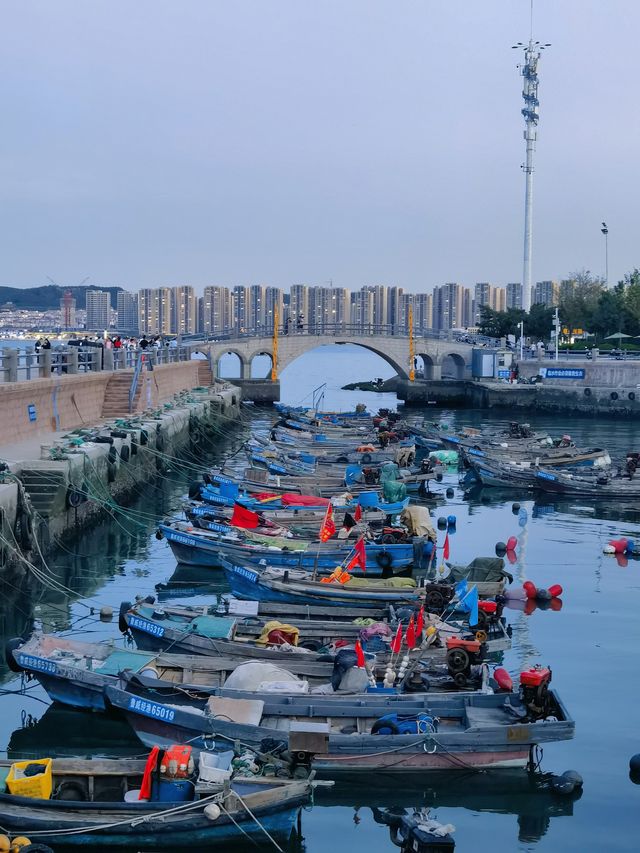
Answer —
247 574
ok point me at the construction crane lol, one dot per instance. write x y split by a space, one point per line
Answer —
412 368
274 357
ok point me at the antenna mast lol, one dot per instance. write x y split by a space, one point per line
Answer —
529 72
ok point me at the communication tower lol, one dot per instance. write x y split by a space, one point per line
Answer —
531 114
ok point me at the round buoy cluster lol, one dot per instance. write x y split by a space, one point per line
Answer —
621 546
21 844
448 523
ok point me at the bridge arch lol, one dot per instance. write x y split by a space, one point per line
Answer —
429 366
242 364
303 344
453 365
260 373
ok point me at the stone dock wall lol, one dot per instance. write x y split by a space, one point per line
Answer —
53 484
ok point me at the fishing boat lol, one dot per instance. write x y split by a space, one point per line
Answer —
604 485
439 731
94 803
228 493
205 630
76 673
198 547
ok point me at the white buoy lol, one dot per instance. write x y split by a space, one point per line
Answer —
212 811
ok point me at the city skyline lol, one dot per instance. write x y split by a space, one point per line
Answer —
338 146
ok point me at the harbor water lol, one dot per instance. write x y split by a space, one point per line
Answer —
591 644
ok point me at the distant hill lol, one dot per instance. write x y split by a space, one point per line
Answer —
47 297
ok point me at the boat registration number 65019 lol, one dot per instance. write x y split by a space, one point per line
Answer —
147 627
247 574
151 709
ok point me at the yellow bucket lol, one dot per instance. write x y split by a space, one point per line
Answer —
38 787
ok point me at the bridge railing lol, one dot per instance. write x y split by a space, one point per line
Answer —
326 329
22 364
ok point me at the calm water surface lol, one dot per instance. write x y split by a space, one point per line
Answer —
592 644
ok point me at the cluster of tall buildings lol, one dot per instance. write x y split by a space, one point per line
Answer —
310 309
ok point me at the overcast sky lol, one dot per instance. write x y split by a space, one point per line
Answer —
147 142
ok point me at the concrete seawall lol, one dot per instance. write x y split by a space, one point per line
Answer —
584 396
54 481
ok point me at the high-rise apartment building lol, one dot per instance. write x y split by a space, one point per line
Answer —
97 310
217 310
68 310
362 310
257 312
452 307
513 295
298 307
329 307
546 293
487 294
380 306
185 306
127 312
273 302
402 317
242 308
155 311
422 312
394 294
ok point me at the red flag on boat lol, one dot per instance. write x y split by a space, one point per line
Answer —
359 655
147 776
445 550
410 636
243 517
358 513
360 556
420 622
396 643
328 526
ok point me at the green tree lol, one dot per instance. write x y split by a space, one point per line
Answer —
539 322
610 315
579 296
499 324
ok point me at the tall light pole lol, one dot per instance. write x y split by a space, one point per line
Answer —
605 231
521 326
529 72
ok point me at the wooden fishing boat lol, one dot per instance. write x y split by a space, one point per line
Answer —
299 521
228 494
197 547
603 485
76 674
439 731
205 631
298 587
89 809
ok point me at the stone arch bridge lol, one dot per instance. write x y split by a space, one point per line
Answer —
432 354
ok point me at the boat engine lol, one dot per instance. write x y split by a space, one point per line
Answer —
489 614
534 692
461 656
437 595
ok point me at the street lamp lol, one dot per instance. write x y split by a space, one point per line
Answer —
521 327
605 231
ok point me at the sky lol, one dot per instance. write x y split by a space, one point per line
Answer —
154 143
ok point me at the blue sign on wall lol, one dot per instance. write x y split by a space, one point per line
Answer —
565 373
31 409
504 374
